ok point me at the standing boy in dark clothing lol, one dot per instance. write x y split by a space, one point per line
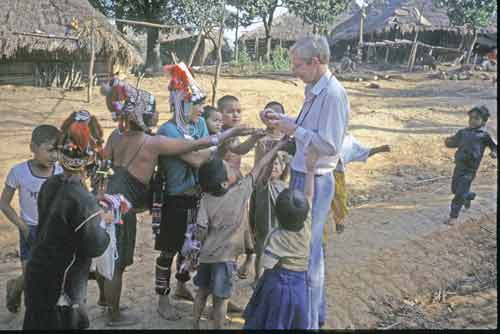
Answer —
470 143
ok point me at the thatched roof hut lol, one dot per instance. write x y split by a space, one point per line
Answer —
286 29
401 14
42 23
397 19
182 43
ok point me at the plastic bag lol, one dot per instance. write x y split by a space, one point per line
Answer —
105 264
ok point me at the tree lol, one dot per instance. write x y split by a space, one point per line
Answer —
154 11
200 16
262 10
469 14
237 20
318 13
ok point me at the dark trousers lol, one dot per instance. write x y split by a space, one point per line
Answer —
460 187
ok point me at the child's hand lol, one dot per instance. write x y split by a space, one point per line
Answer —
242 130
108 216
385 148
25 230
493 154
259 133
312 156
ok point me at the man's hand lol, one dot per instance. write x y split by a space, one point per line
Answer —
311 156
285 125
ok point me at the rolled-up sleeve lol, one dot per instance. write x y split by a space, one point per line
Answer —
332 125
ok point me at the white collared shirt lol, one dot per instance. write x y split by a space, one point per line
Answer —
324 121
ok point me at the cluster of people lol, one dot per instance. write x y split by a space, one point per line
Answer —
209 214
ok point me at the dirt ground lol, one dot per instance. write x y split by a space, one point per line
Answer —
395 254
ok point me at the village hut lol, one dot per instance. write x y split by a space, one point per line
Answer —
182 43
389 30
286 29
49 42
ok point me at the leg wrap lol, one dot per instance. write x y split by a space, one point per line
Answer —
182 274
162 282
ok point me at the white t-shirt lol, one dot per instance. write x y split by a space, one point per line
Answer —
21 177
352 150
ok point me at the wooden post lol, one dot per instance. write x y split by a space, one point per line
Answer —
91 65
413 58
256 48
219 55
360 42
236 42
386 55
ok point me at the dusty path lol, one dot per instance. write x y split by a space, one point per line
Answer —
394 245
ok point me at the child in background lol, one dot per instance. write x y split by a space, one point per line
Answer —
27 177
230 109
352 151
263 202
470 143
213 119
221 227
280 300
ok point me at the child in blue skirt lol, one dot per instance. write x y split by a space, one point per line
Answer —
280 300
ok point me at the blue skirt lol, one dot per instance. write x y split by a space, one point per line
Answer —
280 301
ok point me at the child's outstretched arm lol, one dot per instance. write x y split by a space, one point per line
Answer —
453 141
267 159
312 156
379 149
248 144
8 210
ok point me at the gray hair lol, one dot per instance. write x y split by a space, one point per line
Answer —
312 46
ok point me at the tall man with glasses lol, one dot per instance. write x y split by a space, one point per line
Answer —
323 120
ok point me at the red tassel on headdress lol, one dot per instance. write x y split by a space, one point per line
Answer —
179 81
80 135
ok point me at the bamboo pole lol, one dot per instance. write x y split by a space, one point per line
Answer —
49 36
91 65
148 24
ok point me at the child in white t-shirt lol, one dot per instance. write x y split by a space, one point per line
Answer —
27 177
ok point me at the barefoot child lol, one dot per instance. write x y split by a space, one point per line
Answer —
352 151
263 202
27 177
470 143
221 220
230 109
280 298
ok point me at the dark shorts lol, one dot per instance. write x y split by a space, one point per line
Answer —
25 245
174 221
216 277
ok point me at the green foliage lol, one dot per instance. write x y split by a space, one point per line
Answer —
243 56
471 14
319 13
279 59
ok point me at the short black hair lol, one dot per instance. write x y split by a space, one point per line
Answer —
275 103
292 209
210 175
483 112
223 101
207 111
45 134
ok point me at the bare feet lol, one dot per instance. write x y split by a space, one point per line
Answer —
103 303
450 221
182 292
243 270
122 320
167 310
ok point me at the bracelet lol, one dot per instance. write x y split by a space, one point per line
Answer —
214 139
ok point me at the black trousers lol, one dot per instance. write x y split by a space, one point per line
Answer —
460 187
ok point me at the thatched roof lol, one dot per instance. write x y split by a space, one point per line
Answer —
404 14
286 27
184 34
51 17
